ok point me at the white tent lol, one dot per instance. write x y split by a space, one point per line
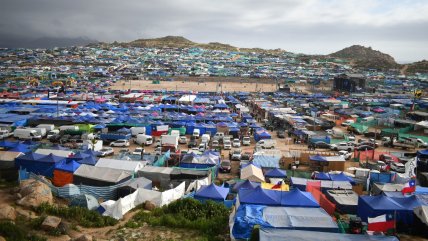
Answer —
252 173
132 166
422 213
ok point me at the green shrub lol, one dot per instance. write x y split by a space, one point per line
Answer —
11 232
209 218
81 215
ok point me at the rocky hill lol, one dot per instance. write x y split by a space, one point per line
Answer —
417 67
366 57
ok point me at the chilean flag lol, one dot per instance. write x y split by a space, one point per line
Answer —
410 187
277 186
381 223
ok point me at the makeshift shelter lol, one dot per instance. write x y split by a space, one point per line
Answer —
300 183
276 173
86 201
132 185
160 176
211 192
266 161
261 135
342 177
346 200
295 218
275 234
131 166
63 173
99 176
252 173
247 184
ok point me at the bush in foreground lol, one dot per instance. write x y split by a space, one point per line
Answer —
209 219
11 232
83 216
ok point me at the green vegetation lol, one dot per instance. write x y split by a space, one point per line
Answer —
11 232
82 216
210 219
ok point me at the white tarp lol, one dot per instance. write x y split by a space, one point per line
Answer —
195 185
252 173
123 205
162 128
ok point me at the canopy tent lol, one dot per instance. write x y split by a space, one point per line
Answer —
252 173
211 192
373 206
37 163
276 173
247 184
293 198
130 166
63 173
342 177
300 183
322 176
261 135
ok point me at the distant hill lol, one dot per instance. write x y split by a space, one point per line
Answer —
45 42
417 67
181 42
364 57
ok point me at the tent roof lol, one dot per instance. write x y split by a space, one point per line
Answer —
131 166
212 191
258 196
297 198
68 166
322 176
247 184
276 172
380 202
252 173
102 173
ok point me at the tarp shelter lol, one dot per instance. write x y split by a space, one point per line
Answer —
300 183
266 161
276 173
61 153
401 208
247 184
38 164
322 176
272 234
212 192
160 176
379 188
86 201
262 135
346 200
99 176
252 173
308 219
63 173
130 186
342 177
293 198
131 166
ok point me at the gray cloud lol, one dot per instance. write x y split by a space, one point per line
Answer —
312 26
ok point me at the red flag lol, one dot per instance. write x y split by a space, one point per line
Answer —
277 186
381 223
410 187
69 101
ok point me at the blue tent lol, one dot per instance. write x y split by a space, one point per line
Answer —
211 192
247 184
20 148
276 173
297 198
259 196
373 206
38 164
342 177
317 158
68 166
8 144
322 176
261 136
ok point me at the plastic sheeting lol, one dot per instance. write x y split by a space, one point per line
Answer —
123 205
270 234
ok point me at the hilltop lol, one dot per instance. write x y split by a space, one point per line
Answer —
181 42
366 57
417 67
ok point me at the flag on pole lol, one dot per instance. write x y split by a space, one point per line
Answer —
410 187
381 223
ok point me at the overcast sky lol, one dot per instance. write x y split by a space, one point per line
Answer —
396 27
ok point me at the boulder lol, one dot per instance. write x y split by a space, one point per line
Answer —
28 214
51 223
84 237
7 212
149 206
34 193
64 227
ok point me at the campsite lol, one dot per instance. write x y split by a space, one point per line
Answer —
233 150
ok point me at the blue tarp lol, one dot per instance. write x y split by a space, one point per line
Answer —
266 161
261 136
322 176
342 177
211 192
68 166
38 164
317 158
276 173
